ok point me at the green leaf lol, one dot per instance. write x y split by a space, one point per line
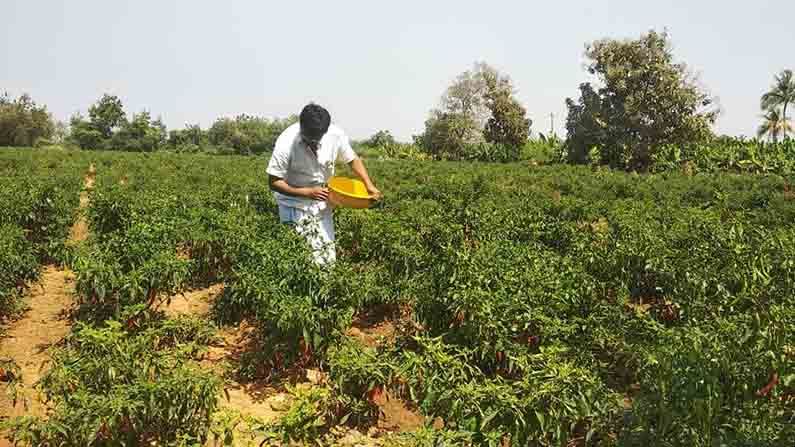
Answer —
485 422
541 423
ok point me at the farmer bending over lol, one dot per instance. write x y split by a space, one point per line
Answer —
300 167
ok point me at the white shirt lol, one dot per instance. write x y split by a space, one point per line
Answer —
293 161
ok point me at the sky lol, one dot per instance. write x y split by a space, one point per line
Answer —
375 65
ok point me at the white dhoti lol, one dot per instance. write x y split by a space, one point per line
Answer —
316 224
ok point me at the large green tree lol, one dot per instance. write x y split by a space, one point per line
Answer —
382 138
84 135
247 134
467 95
462 113
105 117
23 122
645 101
192 139
107 128
478 107
781 94
141 133
107 114
508 124
447 134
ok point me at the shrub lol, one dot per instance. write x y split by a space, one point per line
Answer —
110 386
646 101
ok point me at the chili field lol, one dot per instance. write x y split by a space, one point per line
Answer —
498 304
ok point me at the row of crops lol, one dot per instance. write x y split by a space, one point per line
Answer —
38 201
534 305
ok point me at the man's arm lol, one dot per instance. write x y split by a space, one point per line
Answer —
281 185
358 168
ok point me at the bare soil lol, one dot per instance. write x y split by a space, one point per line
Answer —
256 399
195 302
79 231
44 325
395 415
380 326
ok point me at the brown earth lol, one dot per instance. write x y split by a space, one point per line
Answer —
195 302
26 340
79 231
267 401
249 398
256 399
377 327
396 415
373 335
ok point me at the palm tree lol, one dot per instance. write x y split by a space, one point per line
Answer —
781 94
774 125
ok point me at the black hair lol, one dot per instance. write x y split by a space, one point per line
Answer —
315 121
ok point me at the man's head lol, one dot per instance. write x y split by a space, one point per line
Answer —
315 121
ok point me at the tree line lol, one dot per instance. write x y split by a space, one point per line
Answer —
644 100
109 127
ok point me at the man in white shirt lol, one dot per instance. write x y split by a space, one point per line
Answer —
299 169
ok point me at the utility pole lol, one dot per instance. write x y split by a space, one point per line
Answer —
551 124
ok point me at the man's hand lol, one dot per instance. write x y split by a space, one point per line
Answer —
374 192
310 192
358 168
317 193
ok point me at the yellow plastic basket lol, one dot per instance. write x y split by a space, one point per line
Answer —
348 193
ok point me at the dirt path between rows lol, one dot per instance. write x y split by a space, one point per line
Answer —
267 402
44 324
249 399
27 339
257 400
79 231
